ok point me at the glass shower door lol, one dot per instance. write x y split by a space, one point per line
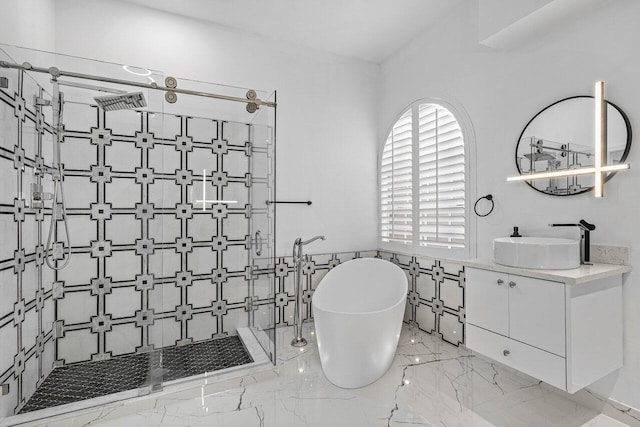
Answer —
101 318
263 171
119 199
171 237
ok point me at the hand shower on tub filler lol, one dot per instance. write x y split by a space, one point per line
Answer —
298 258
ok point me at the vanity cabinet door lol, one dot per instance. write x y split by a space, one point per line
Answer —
487 296
537 313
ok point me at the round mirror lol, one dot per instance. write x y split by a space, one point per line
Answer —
561 136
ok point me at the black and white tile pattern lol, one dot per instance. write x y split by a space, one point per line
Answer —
27 309
436 295
95 379
149 268
153 270
435 301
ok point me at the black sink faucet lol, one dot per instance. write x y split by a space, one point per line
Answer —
515 233
585 230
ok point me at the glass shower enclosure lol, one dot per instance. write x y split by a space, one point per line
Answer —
137 238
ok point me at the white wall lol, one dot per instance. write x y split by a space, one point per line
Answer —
326 111
501 91
28 23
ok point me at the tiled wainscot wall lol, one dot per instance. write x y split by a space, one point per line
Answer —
435 301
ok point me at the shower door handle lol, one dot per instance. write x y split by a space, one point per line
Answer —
258 242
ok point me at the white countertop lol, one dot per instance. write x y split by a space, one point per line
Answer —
582 274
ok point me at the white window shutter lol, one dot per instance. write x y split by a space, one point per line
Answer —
435 152
442 178
396 192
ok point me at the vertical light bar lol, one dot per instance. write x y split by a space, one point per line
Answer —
600 138
600 167
204 190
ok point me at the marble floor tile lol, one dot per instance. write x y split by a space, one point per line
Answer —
431 383
603 421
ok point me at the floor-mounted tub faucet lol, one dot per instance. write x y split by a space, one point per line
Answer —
585 238
299 341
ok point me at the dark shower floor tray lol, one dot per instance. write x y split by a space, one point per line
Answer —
88 380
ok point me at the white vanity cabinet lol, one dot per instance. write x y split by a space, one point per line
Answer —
566 332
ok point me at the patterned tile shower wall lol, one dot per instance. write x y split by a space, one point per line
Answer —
27 344
435 301
149 269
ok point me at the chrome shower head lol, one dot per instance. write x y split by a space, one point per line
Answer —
125 101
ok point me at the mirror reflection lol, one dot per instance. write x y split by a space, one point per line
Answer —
561 136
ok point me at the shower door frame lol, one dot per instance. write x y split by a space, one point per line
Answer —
55 73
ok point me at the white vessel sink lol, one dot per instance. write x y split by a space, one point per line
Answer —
545 253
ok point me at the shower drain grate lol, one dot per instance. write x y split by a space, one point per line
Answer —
88 380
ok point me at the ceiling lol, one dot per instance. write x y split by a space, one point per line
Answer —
370 30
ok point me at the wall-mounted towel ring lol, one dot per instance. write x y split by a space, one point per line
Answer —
489 197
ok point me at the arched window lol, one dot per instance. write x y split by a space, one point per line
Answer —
423 182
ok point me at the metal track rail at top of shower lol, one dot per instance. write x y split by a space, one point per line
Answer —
55 73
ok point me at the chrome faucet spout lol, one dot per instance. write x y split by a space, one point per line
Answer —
313 239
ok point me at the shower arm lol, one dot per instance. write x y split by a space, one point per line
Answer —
55 73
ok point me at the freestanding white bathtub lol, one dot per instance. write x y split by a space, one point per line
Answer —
358 309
